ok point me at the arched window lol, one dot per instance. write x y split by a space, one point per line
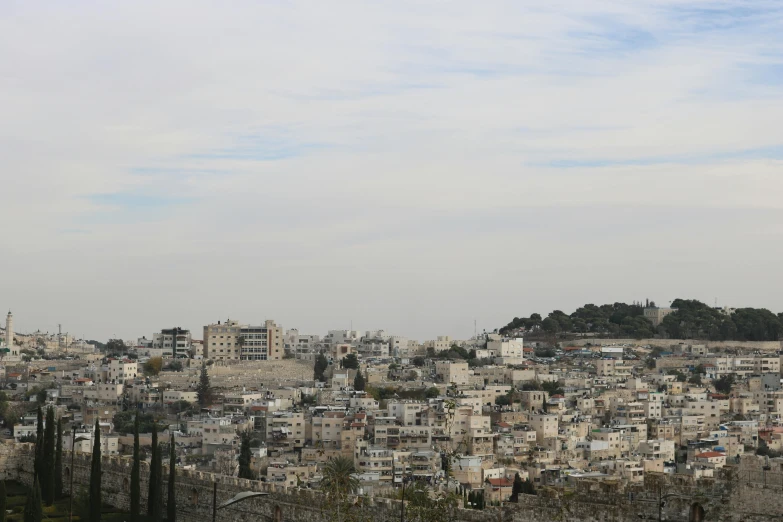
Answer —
278 514
194 497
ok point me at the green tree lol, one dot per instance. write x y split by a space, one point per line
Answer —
47 477
39 444
32 509
153 480
153 366
135 485
157 495
695 379
58 462
2 501
419 361
432 392
321 364
245 458
116 347
358 381
338 477
351 361
171 504
204 388
724 383
516 487
338 481
503 400
95 476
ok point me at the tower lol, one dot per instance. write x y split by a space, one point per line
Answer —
9 330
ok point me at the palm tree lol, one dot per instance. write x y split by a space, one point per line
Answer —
338 480
338 476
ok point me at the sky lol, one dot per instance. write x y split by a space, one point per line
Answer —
413 166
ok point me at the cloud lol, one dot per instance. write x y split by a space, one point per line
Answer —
457 160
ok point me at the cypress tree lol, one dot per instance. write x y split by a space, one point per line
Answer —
39 443
47 471
204 388
153 485
171 504
245 457
2 500
358 381
135 492
58 462
517 488
95 476
32 510
157 506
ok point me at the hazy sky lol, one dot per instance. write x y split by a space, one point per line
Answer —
406 165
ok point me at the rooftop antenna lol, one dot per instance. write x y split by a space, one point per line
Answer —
475 329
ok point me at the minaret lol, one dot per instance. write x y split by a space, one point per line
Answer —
9 331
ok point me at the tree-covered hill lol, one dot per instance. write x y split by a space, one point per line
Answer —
692 320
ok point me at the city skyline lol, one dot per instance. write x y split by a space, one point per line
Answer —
406 166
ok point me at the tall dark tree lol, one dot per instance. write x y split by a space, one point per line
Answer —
153 483
245 457
95 476
135 492
171 503
32 509
204 389
58 462
47 473
2 501
321 364
39 443
358 381
516 488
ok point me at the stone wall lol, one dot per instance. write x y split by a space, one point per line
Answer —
729 499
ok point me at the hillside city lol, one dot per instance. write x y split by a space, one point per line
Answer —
539 403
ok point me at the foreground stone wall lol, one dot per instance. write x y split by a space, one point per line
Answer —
727 500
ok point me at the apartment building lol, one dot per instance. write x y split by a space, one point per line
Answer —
175 342
452 372
507 351
231 341
122 370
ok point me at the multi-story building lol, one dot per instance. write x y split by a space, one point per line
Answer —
122 370
452 372
175 342
231 341
507 351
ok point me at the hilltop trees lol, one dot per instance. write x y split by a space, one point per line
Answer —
692 320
